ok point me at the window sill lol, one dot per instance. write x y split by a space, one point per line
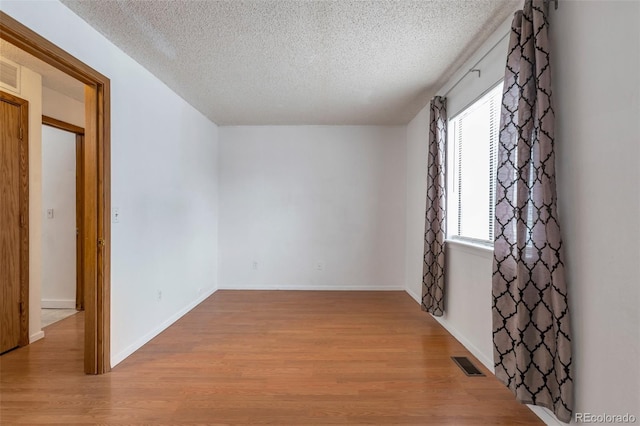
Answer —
470 247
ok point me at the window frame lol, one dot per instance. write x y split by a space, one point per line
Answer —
453 167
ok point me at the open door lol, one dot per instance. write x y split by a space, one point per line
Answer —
14 222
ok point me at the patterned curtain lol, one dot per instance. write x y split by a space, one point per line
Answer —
531 330
433 266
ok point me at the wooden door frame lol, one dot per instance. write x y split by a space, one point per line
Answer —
79 134
23 197
96 188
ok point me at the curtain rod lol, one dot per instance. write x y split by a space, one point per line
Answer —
473 67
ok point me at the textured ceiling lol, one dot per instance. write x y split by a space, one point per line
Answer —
52 78
299 62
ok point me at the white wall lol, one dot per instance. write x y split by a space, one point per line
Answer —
468 286
597 92
293 196
163 180
62 107
31 90
59 231
416 183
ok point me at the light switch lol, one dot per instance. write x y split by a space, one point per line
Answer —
115 215
49 213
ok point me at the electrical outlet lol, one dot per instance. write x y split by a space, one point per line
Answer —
49 213
254 265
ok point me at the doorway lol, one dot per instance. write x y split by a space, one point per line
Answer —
95 189
62 289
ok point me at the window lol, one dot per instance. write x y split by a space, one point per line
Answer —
472 157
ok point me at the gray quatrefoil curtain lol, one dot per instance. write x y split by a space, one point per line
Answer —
433 265
531 330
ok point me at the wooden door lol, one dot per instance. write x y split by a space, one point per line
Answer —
13 223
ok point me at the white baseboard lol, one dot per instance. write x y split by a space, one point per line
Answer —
541 412
487 361
36 336
311 287
414 295
484 359
58 304
122 355
545 415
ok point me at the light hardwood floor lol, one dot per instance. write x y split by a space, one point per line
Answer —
265 357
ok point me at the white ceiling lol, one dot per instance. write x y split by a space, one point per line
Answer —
300 62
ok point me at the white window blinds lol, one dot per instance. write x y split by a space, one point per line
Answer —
473 146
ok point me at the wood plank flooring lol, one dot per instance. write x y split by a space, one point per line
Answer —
265 357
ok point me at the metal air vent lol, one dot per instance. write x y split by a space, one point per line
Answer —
10 75
467 366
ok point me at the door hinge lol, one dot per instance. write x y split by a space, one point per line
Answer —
21 133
